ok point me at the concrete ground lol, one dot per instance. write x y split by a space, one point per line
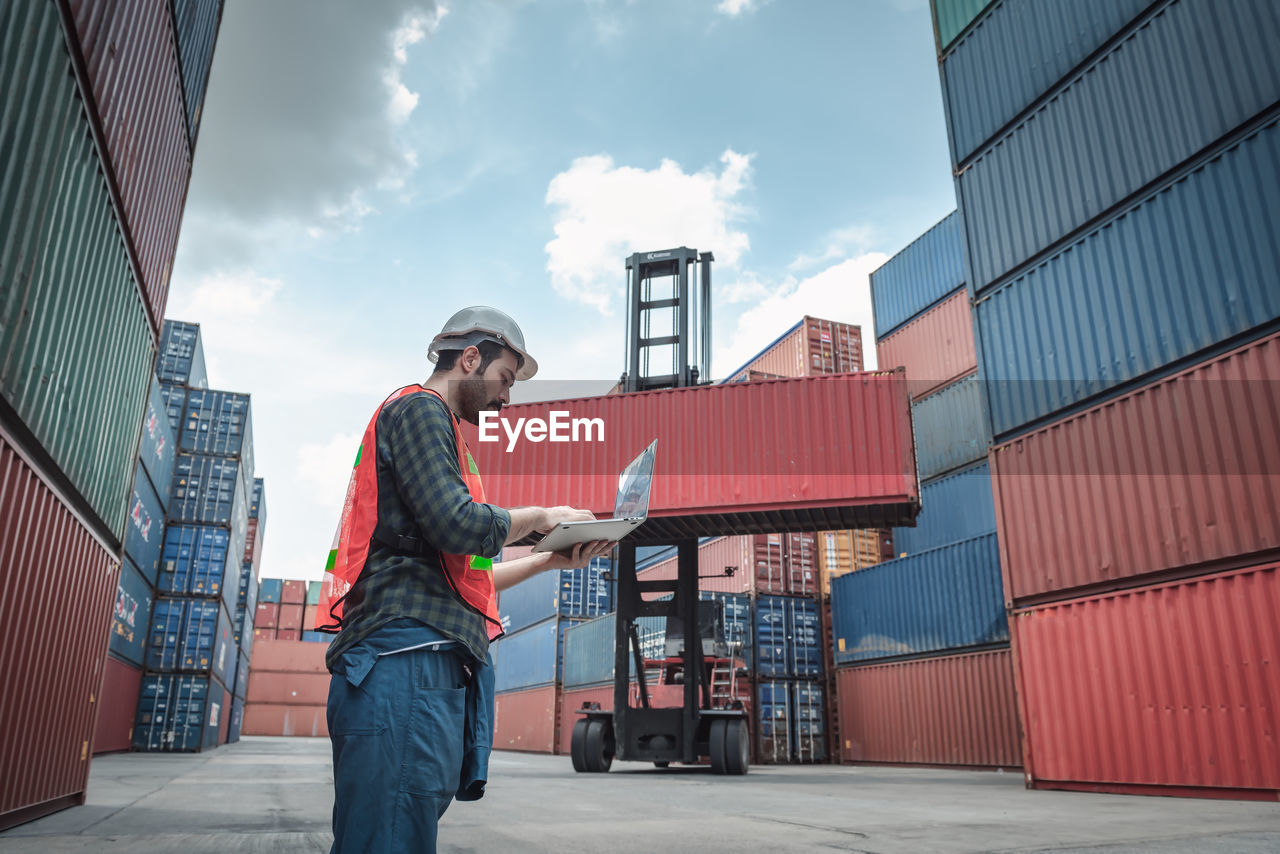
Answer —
275 794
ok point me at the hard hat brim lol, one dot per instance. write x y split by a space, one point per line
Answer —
471 337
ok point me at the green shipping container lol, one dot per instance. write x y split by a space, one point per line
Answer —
313 592
950 17
76 350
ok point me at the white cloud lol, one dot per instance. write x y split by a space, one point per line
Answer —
604 212
733 8
841 292
326 465
838 244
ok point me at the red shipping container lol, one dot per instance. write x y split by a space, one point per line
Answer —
251 549
1170 689
952 710
52 563
279 656
935 348
298 689
761 563
1179 473
660 697
266 617
291 635
268 719
715 557
290 617
294 593
263 635
309 617
769 553
787 462
802 565
117 706
813 346
132 62
526 720
224 719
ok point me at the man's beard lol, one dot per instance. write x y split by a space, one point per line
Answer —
473 398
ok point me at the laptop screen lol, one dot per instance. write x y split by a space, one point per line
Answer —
633 486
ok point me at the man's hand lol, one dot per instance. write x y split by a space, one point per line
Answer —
580 555
554 516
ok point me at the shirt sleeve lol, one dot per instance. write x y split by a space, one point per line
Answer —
424 461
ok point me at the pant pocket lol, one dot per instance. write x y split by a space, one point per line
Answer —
433 758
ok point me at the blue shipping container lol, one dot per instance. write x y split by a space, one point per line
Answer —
131 619
270 589
589 648
197 562
181 358
208 490
144 529
241 687
809 713
951 428
773 703
1192 265
584 592
957 506
1019 51
258 503
804 638
1194 72
175 403
531 601
317 637
178 713
737 621
530 657
192 636
196 23
237 720
772 647
159 446
944 599
247 592
929 270
220 424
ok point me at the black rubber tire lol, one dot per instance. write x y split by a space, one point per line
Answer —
578 745
661 763
599 745
716 746
737 746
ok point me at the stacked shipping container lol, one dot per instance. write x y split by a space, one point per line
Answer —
1126 336
93 114
912 685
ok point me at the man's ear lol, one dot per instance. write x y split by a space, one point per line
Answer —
470 359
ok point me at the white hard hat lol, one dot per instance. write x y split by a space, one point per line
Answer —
478 323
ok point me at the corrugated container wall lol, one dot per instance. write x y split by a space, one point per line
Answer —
220 423
950 17
132 61
813 346
526 720
936 347
1126 111
589 648
145 529
919 276
197 27
957 506
53 571
950 710
76 347
951 428
179 713
1028 46
1190 266
530 657
1107 684
159 445
942 599
756 468
1180 473
117 707
181 358
131 617
210 491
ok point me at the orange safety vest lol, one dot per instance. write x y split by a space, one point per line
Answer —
471 577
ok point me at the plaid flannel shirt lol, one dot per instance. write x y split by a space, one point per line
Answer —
421 493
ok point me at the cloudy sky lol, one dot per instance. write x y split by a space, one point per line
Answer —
365 169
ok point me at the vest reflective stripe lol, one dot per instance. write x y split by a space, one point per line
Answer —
470 577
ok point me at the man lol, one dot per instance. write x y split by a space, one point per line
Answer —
412 588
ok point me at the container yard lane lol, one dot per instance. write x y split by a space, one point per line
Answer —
267 794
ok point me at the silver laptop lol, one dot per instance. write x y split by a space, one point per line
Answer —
630 509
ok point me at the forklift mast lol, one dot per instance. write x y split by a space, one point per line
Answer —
668 346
